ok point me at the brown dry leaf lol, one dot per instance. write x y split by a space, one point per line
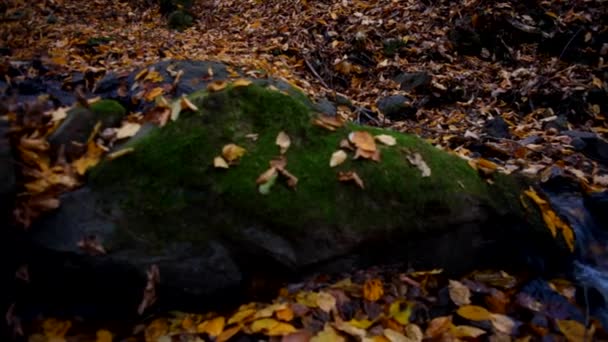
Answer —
346 145
328 122
351 176
437 326
149 296
232 153
326 302
185 103
502 323
266 176
298 336
386 139
120 153
349 329
552 220
292 180
459 293
375 155
416 160
216 86
574 330
127 130
241 82
373 290
474 313
467 331
153 93
413 333
89 159
219 162
91 245
337 158
283 141
395 336
363 140
212 327
228 333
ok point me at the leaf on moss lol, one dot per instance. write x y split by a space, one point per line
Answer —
283 141
363 140
217 86
127 130
337 158
347 176
375 155
416 160
459 293
219 162
328 122
474 313
346 145
241 82
386 139
185 103
373 290
176 109
232 153
264 188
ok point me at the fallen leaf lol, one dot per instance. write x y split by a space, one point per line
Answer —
474 313
216 86
416 160
292 180
328 122
55 329
127 130
399 314
241 82
574 330
232 153
285 314
503 323
219 162
252 136
349 329
153 76
375 155
241 315
386 139
298 336
176 109
153 93
395 336
551 219
269 310
212 327
337 158
373 290
363 140
264 188
467 331
89 159
351 176
459 293
149 296
363 324
120 153
59 114
267 175
413 333
91 245
328 334
281 329
228 333
283 141
326 301
346 145
185 103
157 328
264 324
103 336
437 326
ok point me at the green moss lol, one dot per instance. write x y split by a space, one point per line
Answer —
171 172
180 20
108 111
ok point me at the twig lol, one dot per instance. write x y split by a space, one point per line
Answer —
569 42
314 72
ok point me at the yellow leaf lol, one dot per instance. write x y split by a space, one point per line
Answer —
395 336
104 336
474 313
326 301
401 315
386 139
349 329
363 324
283 141
328 334
269 310
460 294
467 331
363 140
373 290
552 220
281 329
337 158
219 162
212 327
89 159
54 328
264 324
153 93
216 86
241 82
285 314
127 130
228 333
120 153
232 152
574 331
153 76
157 328
241 315
141 74
307 298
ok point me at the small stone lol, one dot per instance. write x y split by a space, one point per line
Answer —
396 107
412 80
497 128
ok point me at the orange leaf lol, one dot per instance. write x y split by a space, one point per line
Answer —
216 86
373 290
363 140
153 93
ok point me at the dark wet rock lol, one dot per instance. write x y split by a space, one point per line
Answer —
77 127
597 203
392 46
113 86
7 173
497 128
326 106
590 144
396 107
465 40
412 80
533 139
578 144
558 125
180 20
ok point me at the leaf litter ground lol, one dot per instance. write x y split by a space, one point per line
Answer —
541 79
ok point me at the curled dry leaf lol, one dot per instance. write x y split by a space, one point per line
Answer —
219 162
375 155
345 176
283 141
328 122
216 86
363 140
337 158
346 145
437 326
153 93
127 130
186 104
232 153
386 139
149 296
416 160
120 153
459 293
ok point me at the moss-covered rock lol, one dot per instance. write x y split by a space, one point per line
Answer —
167 202
180 19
